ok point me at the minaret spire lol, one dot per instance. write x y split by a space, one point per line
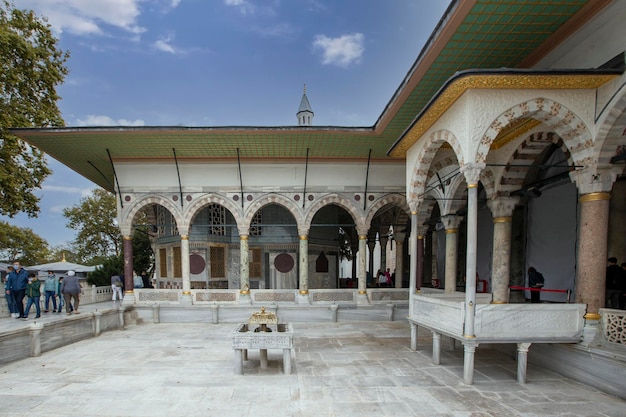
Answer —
305 113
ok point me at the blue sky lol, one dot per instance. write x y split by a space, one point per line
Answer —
223 63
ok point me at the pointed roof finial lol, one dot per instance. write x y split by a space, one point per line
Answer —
304 88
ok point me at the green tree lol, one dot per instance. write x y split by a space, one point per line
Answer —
17 243
31 66
98 236
112 265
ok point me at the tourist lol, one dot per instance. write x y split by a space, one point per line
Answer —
380 278
71 290
60 294
535 280
388 277
7 294
33 293
137 281
116 287
50 288
17 280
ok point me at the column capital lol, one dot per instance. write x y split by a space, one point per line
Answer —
502 206
244 237
472 172
451 221
595 179
399 237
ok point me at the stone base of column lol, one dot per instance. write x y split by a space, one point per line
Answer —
244 297
361 298
303 297
186 299
129 298
591 332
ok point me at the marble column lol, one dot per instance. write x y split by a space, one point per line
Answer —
420 263
362 284
127 246
244 269
434 274
371 246
303 255
185 269
412 262
502 211
399 238
594 185
451 223
472 174
383 252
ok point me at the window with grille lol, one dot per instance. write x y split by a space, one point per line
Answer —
218 267
166 223
163 262
255 227
160 221
256 263
217 219
178 270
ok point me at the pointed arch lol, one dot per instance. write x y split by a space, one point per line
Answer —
569 127
338 200
424 212
425 157
611 130
277 199
395 199
201 202
129 212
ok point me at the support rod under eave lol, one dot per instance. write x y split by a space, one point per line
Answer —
306 170
119 193
367 174
101 173
240 177
180 185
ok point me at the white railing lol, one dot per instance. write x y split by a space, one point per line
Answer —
613 325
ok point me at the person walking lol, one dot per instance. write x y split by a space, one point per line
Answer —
50 287
7 294
535 282
116 287
17 281
71 290
33 293
60 294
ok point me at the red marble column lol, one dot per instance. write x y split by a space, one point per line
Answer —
128 263
592 252
420 262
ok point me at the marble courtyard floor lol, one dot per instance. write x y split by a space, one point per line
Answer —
339 369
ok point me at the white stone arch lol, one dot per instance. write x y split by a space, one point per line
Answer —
395 199
338 200
610 131
202 201
419 174
129 212
571 129
424 212
278 199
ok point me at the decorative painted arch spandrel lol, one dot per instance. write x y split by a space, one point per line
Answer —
278 199
424 212
202 201
611 130
395 199
571 128
357 214
129 211
419 174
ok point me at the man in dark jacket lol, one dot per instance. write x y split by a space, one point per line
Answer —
535 282
614 284
17 281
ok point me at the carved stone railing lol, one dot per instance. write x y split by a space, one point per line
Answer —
613 326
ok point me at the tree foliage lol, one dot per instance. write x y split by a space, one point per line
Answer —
94 219
31 66
112 265
17 243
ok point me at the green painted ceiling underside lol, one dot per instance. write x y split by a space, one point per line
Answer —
494 34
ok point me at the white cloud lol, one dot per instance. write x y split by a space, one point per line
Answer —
100 120
341 51
83 17
165 45
244 6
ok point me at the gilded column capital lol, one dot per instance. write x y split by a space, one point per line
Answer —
244 237
304 237
594 197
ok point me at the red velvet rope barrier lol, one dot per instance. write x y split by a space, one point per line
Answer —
516 287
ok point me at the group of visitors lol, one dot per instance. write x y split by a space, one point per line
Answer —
384 279
615 284
20 284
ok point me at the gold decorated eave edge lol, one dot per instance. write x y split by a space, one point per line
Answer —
492 79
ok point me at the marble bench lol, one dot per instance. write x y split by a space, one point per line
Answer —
245 337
